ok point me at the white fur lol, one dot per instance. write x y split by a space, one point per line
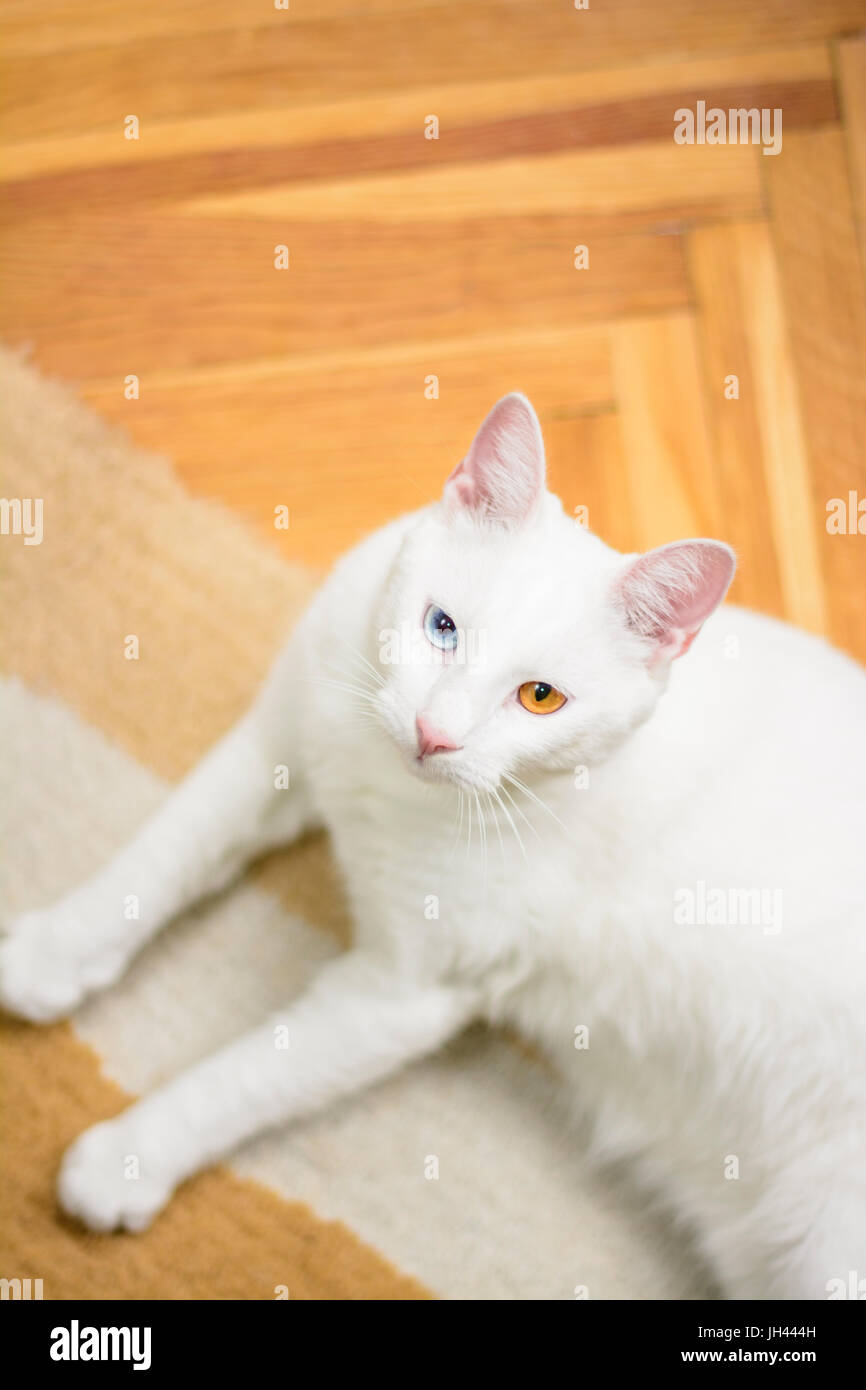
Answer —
713 1049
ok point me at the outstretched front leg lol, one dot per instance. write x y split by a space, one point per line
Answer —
230 808
355 1025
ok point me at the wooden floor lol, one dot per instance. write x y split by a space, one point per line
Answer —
412 259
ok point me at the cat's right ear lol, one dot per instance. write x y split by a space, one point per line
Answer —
667 594
501 479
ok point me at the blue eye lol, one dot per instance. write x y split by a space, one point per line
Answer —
440 629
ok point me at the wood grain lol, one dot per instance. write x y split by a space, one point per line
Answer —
670 462
787 465
349 286
717 257
852 75
588 470
820 268
359 429
291 57
454 258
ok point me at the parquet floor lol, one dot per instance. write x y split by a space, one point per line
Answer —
419 266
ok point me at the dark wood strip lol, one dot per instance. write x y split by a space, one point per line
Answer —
803 103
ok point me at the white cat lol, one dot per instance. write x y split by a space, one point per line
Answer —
654 870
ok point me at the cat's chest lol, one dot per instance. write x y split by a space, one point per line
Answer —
461 891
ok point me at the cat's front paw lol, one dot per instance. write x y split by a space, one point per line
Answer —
107 1182
46 969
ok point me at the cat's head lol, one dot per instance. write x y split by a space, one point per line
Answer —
512 638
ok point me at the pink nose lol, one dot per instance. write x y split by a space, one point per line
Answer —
432 740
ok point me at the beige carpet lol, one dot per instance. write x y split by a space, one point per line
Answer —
336 1207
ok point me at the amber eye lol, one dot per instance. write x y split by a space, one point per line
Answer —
540 698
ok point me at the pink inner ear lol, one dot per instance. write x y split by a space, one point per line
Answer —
670 592
502 476
462 485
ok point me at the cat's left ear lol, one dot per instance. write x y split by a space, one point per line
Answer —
501 479
667 594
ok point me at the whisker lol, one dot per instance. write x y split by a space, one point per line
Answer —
510 822
469 831
521 812
367 716
359 656
361 692
537 799
355 678
482 833
496 823
352 674
459 825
